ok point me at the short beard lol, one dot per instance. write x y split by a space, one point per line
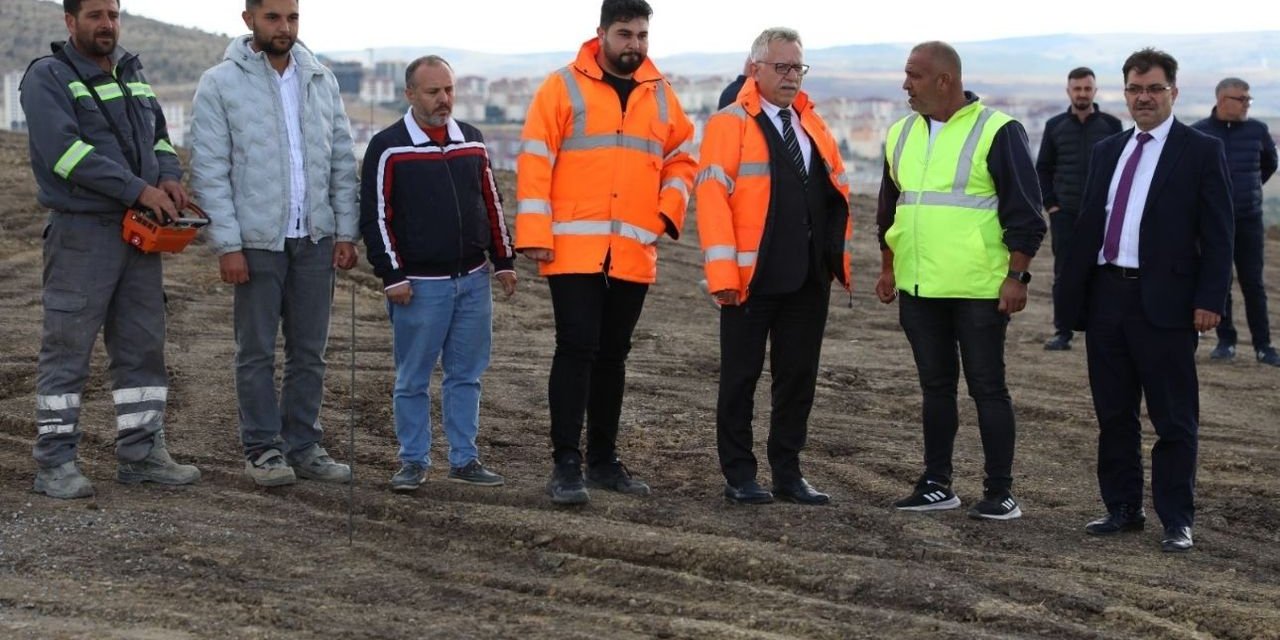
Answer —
90 47
1086 106
268 45
627 66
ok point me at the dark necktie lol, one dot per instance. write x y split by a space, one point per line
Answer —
793 146
1111 243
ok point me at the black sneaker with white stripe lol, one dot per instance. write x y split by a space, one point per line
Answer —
996 506
929 496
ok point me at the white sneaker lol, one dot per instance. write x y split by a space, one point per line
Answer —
269 469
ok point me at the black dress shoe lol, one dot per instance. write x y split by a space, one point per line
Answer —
1122 518
800 492
1176 539
749 492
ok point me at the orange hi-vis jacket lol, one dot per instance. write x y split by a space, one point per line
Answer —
593 181
733 188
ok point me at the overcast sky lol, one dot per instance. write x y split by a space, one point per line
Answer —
681 26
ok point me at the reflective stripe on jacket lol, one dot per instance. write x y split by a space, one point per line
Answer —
946 236
591 181
734 186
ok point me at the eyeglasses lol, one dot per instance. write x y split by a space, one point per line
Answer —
783 68
1244 100
1153 90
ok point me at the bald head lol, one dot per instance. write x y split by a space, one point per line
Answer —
932 80
943 56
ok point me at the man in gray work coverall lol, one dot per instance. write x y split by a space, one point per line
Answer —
99 146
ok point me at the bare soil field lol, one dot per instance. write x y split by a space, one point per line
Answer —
224 559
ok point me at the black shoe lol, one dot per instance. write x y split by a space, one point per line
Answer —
749 492
614 476
996 506
1176 539
1267 355
799 491
1223 352
1060 342
566 486
474 473
1122 518
928 496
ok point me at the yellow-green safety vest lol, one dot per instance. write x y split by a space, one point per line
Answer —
946 236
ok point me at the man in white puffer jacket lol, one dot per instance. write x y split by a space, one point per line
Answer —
272 165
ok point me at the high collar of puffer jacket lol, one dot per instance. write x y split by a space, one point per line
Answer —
252 61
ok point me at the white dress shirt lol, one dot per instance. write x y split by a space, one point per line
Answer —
1146 169
291 111
772 111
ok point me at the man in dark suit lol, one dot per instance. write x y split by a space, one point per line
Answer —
1150 267
771 252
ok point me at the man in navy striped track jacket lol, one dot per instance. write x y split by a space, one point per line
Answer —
431 217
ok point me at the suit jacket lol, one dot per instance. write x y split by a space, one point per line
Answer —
1184 242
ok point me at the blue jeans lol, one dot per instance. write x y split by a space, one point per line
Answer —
450 321
945 332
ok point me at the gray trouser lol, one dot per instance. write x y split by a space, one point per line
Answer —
294 289
94 281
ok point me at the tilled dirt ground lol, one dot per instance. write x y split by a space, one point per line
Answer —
226 559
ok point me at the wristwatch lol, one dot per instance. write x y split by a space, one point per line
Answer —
1021 276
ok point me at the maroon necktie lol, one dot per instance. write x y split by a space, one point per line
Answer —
1111 244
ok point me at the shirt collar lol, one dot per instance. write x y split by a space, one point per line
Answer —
772 110
291 70
1161 131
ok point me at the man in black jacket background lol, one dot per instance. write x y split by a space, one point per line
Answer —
1062 165
1251 156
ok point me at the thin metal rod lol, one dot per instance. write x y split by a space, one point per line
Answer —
351 424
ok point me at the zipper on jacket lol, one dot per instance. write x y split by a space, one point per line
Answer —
915 220
457 209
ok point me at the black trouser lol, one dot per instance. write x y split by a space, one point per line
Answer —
595 317
1250 237
935 327
792 323
1129 359
1062 226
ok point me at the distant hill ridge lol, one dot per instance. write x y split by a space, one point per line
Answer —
170 54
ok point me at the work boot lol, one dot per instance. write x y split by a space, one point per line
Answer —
314 463
268 469
157 467
63 481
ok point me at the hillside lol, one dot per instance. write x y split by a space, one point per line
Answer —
171 54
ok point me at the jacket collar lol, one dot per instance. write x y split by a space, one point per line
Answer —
240 52
586 64
420 137
87 68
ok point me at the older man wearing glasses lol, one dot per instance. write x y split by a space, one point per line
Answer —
1251 155
771 252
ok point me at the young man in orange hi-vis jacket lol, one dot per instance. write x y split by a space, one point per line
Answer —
773 217
601 177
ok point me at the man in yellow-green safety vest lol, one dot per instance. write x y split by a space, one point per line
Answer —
959 221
